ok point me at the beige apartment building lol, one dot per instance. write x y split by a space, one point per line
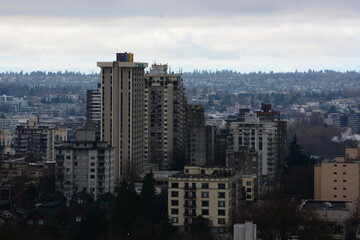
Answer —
339 180
122 108
164 116
213 193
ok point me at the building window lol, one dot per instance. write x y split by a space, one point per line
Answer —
221 194
344 188
174 211
248 183
344 173
335 173
335 180
221 203
344 196
248 189
221 186
205 185
344 180
335 188
174 203
92 176
335 196
205 212
205 203
221 220
174 185
174 220
221 212
174 194
248 197
205 194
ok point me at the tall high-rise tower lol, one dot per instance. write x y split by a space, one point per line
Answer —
122 108
164 117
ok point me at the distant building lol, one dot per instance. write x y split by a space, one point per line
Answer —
38 142
259 136
164 117
84 165
5 142
195 136
339 180
122 106
213 193
93 107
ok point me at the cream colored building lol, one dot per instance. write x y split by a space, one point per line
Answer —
213 193
339 180
5 141
122 107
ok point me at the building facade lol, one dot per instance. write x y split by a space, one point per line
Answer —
339 180
213 193
84 165
122 90
93 107
164 117
195 135
259 136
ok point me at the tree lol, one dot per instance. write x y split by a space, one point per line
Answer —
148 198
296 157
281 219
93 226
200 228
126 210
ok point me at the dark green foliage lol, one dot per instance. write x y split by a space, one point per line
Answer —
148 198
200 228
126 210
92 226
296 157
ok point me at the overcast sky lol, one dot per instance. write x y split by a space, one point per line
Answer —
252 35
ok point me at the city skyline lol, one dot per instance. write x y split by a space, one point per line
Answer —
238 35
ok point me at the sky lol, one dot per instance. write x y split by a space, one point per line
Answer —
246 36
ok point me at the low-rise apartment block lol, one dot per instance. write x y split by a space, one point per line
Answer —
213 193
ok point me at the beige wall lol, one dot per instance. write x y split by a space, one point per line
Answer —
337 181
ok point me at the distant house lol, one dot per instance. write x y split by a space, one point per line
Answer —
36 217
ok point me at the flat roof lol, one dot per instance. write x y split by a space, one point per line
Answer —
122 64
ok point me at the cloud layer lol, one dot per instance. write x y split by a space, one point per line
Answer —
203 34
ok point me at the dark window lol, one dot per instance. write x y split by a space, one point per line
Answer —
174 185
205 203
205 212
174 203
174 194
205 185
221 186
221 212
205 194
174 211
221 194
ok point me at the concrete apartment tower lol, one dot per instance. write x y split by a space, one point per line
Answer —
122 106
164 117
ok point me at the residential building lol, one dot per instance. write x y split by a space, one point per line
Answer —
195 136
267 114
164 117
93 107
213 193
122 105
5 142
339 180
38 142
84 165
258 135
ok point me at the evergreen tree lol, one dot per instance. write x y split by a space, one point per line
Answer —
126 210
296 157
148 197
